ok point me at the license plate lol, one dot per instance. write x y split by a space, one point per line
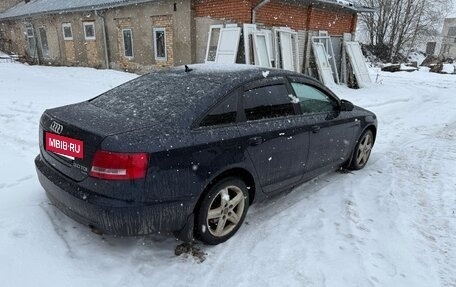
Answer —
65 146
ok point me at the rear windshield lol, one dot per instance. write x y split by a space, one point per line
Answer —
162 95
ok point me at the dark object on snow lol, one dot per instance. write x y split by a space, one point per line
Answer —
190 249
392 68
437 68
437 63
443 68
188 153
430 61
409 67
187 69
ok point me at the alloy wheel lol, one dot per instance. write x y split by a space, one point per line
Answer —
364 149
225 211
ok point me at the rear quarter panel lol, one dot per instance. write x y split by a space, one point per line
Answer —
183 162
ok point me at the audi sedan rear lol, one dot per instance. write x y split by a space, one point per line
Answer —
187 150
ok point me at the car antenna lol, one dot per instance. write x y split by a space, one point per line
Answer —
187 69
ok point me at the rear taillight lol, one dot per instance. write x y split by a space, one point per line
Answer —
119 166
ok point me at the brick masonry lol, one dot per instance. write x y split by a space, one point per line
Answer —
165 21
186 30
277 13
125 63
237 10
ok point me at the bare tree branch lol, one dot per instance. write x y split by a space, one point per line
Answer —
397 25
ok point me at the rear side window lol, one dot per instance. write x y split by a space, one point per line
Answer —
268 102
224 113
313 100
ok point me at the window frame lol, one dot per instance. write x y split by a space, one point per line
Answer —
208 51
45 53
315 85
132 44
67 25
89 23
260 84
159 29
31 39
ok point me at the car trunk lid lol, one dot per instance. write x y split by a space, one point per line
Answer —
84 123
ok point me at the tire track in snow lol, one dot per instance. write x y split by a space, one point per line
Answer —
435 225
387 103
362 227
53 215
19 114
419 183
16 182
267 221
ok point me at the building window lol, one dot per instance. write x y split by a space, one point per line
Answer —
89 30
30 31
128 42
44 42
32 51
452 31
67 31
160 44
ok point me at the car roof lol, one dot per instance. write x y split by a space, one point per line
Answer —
175 97
237 73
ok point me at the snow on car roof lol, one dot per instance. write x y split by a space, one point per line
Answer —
175 97
242 70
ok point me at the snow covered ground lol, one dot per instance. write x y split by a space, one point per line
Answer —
391 224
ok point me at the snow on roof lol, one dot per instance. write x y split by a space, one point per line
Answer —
349 4
343 2
35 7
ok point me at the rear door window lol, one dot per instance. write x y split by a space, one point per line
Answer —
268 102
223 113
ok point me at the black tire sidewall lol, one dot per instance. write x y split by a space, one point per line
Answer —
201 214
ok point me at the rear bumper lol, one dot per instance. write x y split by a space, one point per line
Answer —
112 216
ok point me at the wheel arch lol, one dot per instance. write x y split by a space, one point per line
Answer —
239 172
373 128
370 127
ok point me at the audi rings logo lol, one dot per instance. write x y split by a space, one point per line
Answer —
56 127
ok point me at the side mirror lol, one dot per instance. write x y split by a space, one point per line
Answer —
346 106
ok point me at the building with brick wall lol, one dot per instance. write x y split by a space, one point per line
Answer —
133 35
139 35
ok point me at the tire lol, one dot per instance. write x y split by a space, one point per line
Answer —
362 151
225 203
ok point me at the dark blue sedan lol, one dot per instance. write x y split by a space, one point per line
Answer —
188 150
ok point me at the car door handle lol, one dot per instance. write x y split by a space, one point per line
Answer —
315 129
255 141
